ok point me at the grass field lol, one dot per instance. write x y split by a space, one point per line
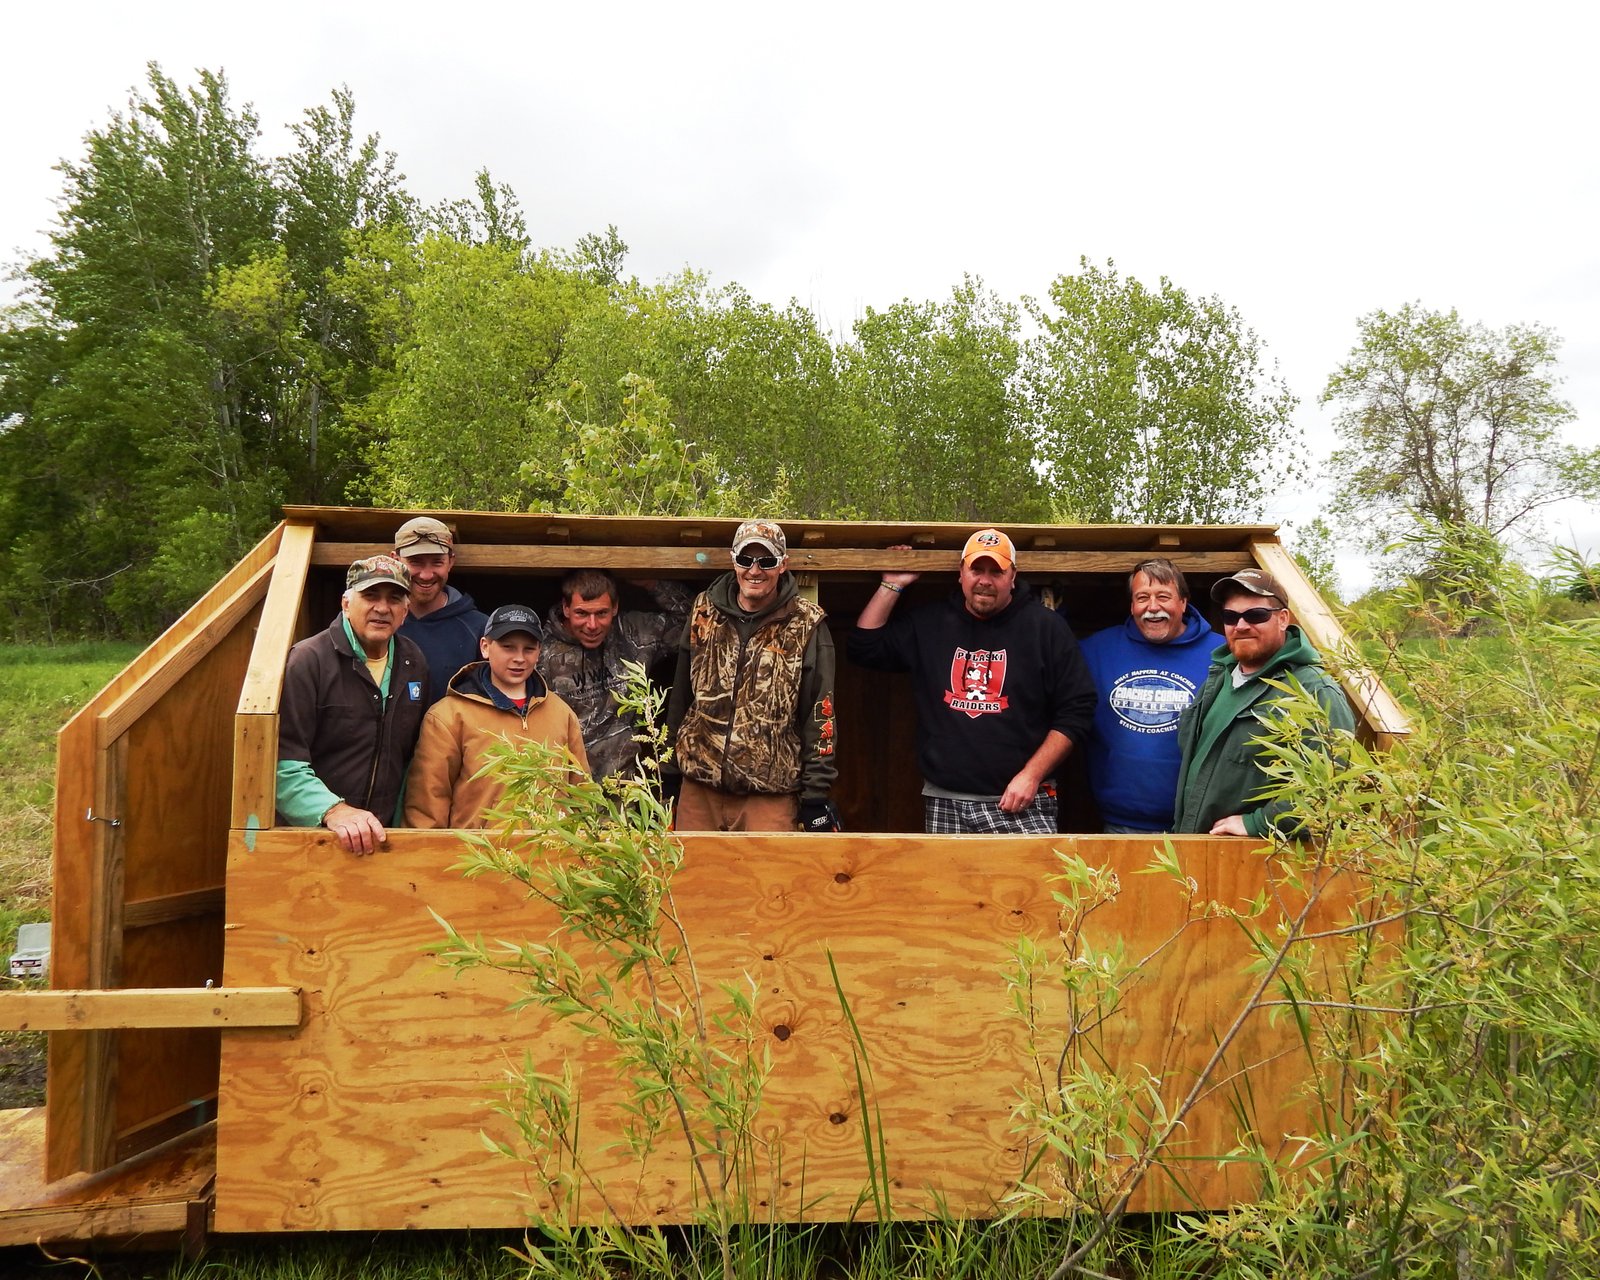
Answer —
40 689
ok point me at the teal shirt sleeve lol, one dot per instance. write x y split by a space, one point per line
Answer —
302 799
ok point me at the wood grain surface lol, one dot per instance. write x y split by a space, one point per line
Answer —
368 1115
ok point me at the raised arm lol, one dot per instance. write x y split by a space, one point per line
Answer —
883 600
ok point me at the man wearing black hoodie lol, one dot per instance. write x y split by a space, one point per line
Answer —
1002 693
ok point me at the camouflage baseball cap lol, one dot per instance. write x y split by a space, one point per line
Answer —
1253 582
375 569
766 533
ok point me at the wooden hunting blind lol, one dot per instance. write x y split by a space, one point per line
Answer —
214 973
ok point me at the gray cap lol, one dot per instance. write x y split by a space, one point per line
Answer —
1254 582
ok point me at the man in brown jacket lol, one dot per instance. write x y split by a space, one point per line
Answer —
502 697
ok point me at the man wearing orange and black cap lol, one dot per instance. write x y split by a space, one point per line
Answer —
353 701
1002 692
1223 734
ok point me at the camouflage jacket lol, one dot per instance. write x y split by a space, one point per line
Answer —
587 679
751 710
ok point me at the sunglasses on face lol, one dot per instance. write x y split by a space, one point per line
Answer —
1255 617
750 560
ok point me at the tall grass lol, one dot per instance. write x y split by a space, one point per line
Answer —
40 689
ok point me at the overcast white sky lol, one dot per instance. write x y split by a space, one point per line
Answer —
1307 163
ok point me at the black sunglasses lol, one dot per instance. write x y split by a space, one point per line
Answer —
749 560
1255 617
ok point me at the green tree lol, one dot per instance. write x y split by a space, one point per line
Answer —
1451 423
466 404
130 410
752 385
940 427
338 191
638 466
1153 406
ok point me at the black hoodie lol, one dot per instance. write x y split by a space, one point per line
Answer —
988 690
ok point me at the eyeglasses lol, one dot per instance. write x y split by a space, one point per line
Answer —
1255 617
750 560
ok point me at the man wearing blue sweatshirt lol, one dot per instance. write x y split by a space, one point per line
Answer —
1145 671
443 622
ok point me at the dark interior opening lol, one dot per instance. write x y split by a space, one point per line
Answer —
879 787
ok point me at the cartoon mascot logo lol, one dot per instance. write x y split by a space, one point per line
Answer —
976 679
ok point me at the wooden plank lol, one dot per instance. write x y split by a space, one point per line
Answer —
144 1197
280 615
98 1142
123 711
80 1065
167 907
651 561
149 1007
176 635
165 1126
367 1117
375 526
75 855
1373 703
255 765
180 777
175 815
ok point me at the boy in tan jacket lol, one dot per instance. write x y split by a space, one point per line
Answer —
502 697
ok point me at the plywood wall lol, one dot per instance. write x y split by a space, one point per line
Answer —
368 1115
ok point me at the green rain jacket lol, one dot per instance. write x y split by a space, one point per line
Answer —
1230 777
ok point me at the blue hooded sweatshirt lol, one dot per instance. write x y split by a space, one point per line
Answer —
1143 689
448 638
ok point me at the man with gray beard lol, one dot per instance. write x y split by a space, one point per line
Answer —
1145 672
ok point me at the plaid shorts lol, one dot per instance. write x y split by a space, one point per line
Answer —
943 816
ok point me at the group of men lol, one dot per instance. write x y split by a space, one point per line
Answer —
387 715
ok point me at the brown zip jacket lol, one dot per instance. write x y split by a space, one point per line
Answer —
444 788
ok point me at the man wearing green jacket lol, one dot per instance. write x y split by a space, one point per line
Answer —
1221 776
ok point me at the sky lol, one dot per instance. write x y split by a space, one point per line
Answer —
1307 164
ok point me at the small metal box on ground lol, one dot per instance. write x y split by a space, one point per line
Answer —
31 959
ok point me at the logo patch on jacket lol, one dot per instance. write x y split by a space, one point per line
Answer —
976 679
1150 701
414 690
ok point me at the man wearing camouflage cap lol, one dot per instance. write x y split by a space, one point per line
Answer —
1224 732
751 711
353 700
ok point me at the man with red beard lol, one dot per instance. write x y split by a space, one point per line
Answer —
1002 692
1223 733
